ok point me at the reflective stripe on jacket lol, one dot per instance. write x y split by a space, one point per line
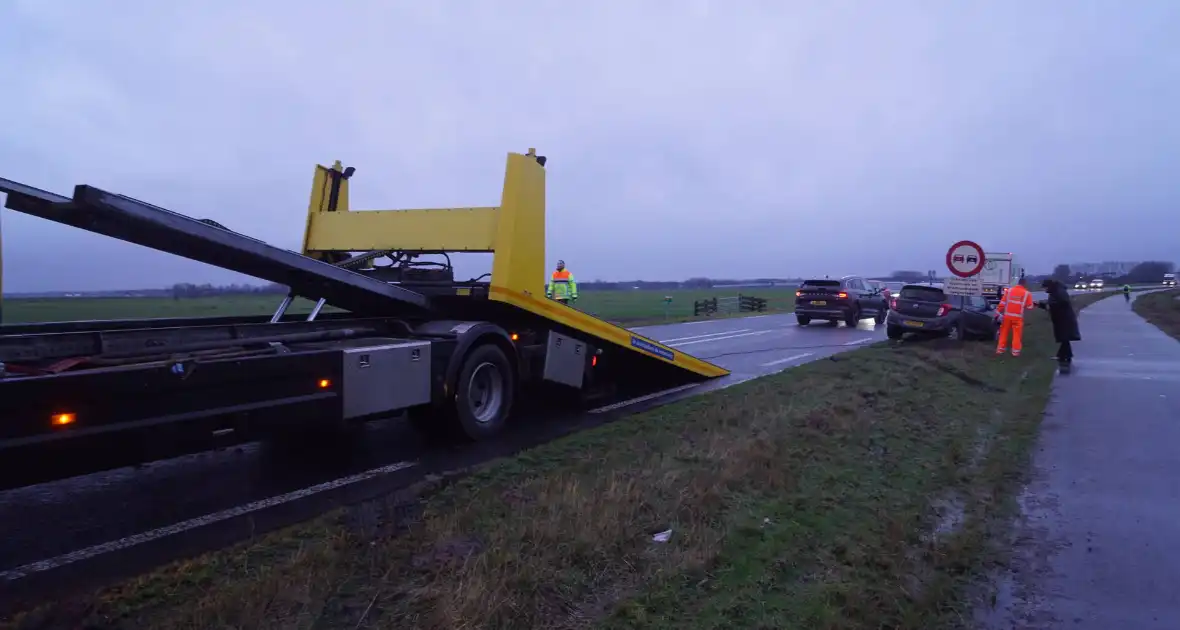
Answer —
562 286
1016 300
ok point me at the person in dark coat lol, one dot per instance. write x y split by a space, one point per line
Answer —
1065 321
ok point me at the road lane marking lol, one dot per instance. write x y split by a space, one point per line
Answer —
787 360
712 334
639 399
858 341
41 566
745 334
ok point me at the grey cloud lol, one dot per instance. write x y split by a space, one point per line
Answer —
686 138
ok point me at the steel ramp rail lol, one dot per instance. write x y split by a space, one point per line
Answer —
96 210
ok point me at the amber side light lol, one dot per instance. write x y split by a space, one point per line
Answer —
324 383
62 419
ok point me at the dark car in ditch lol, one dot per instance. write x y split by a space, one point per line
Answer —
928 310
848 299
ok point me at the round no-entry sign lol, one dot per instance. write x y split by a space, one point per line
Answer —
965 259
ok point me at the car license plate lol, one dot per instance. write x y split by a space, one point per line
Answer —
913 324
818 303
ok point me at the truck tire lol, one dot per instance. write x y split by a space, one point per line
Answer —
484 392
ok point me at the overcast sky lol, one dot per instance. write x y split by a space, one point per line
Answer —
685 137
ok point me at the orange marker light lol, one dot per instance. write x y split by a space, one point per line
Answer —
515 337
324 383
62 419
593 361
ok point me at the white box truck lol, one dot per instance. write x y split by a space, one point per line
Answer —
999 272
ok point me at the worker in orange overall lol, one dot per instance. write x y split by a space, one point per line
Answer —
1016 301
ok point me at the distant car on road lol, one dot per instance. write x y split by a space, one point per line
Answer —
848 299
1081 285
927 310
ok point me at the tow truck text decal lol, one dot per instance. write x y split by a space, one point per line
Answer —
652 348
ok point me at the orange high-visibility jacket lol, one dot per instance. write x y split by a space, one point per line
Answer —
1016 300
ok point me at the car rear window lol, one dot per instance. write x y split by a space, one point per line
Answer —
821 283
923 294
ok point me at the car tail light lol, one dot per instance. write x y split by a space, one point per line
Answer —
944 309
893 304
798 293
842 295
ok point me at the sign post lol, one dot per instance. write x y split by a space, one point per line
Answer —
965 260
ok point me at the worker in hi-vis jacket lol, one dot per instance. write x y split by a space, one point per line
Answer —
1016 301
562 286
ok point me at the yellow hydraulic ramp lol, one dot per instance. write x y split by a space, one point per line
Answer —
514 233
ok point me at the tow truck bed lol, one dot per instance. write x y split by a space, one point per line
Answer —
134 221
140 390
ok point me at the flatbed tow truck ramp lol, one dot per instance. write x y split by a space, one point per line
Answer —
451 355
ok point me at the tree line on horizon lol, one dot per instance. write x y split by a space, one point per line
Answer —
187 290
1145 272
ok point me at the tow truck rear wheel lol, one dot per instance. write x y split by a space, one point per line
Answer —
478 409
484 392
483 395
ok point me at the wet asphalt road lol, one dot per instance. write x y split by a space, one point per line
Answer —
1099 547
47 521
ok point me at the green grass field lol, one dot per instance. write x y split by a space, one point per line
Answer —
618 306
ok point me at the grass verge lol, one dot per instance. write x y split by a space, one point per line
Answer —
1162 309
858 491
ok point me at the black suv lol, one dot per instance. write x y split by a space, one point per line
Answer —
926 309
848 299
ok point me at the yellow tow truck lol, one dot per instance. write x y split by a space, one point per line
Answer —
409 338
